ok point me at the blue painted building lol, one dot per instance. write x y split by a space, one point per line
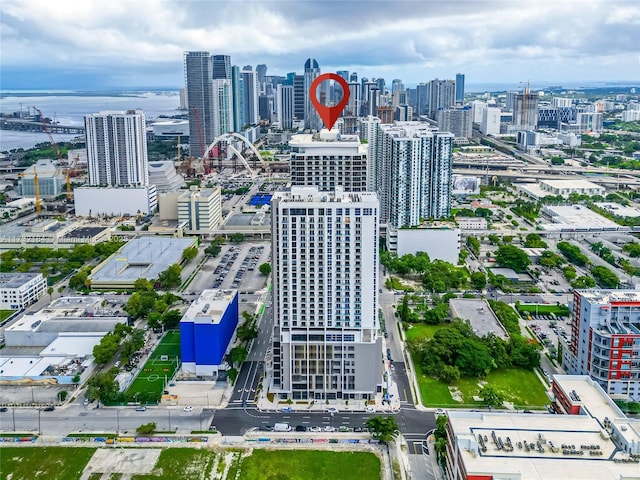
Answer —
206 330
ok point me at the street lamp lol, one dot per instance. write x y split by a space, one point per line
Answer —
13 410
117 420
39 412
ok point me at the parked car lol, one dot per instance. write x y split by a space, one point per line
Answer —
329 428
315 429
301 428
371 409
49 408
439 411
188 409
3 409
141 409
332 410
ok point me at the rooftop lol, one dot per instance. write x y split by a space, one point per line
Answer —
579 218
85 232
210 306
16 280
573 183
312 194
143 257
619 210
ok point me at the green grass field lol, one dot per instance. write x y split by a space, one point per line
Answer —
421 330
544 309
309 465
182 463
154 372
68 463
45 463
4 314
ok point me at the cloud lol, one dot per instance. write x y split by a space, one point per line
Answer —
412 40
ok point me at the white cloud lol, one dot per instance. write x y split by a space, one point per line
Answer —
407 39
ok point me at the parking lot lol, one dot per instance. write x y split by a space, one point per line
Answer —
237 267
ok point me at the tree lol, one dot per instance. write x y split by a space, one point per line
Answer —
632 249
238 354
265 269
550 259
237 237
384 429
232 374
583 282
171 319
513 257
533 240
214 249
605 277
190 253
171 277
106 349
491 396
140 304
142 285
76 379
147 428
478 280
104 386
50 292
60 289
473 244
483 212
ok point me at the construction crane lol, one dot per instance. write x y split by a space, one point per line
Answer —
45 127
36 187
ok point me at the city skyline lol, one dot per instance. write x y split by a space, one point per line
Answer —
142 43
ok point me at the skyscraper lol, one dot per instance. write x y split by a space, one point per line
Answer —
250 95
221 67
460 88
422 99
237 88
222 107
368 131
525 110
344 74
456 120
284 106
299 97
442 94
328 160
117 148
198 79
355 100
261 71
327 243
311 118
415 167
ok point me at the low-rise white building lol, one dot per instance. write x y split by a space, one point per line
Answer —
114 201
200 210
19 290
439 241
472 223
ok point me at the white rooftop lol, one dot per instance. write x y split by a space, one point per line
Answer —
619 210
209 307
479 314
579 217
143 257
73 344
573 184
26 366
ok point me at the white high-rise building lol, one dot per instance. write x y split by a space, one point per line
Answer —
490 121
368 131
117 148
477 109
561 102
416 173
590 122
353 105
325 343
200 210
328 160
222 107
250 96
284 106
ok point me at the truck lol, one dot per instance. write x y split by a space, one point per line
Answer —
282 427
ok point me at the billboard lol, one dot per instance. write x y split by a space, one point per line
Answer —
466 185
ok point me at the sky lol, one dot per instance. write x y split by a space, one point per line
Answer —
92 44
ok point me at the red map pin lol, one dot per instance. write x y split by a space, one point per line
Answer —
329 115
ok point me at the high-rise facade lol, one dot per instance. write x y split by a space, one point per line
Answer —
237 89
284 106
353 105
222 107
442 94
299 97
415 168
605 340
117 148
328 160
422 99
368 131
250 96
525 110
456 120
198 79
460 88
311 118
325 347
490 124
221 67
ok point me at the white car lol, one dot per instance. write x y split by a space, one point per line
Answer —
188 409
439 411
329 428
315 429
371 409
332 410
